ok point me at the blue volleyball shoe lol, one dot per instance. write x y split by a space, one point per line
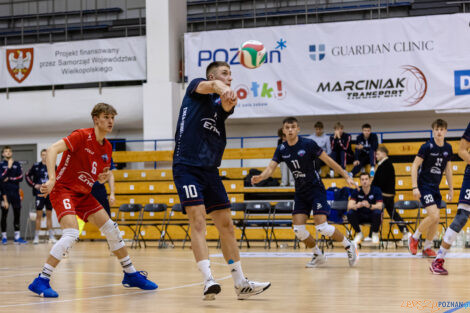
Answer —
42 287
139 280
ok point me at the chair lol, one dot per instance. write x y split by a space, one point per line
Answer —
257 215
405 206
127 217
177 218
155 215
282 209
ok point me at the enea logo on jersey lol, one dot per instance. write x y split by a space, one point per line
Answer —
301 153
230 55
462 82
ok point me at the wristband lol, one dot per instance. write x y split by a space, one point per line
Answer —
414 188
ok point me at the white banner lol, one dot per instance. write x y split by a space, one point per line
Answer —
399 64
73 62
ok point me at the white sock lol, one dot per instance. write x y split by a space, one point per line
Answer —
47 271
237 272
204 267
127 265
36 233
316 250
417 234
441 254
4 235
427 244
17 235
346 243
51 233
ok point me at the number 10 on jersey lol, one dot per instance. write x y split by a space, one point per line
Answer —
190 190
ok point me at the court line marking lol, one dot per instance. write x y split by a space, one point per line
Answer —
107 296
458 308
341 255
28 291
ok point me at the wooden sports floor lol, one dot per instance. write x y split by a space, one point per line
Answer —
90 281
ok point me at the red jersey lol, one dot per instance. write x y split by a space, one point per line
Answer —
84 160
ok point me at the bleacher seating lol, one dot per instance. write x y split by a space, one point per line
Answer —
156 186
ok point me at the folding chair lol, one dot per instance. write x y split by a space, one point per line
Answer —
282 209
409 207
129 215
257 215
155 215
177 218
443 222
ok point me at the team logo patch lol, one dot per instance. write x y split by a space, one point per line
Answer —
301 153
20 63
282 147
446 153
105 157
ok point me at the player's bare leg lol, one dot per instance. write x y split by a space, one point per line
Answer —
243 287
49 226
197 221
428 225
327 230
132 277
299 221
38 226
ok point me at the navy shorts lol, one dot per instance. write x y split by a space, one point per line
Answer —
99 192
314 200
430 196
42 202
465 190
196 186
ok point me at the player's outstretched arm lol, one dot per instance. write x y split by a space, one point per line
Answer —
337 168
463 150
450 182
51 160
414 176
268 171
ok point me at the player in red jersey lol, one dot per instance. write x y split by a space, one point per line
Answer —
86 158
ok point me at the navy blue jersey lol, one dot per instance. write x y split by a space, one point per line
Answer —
373 197
11 177
200 133
371 143
435 160
466 136
341 144
300 160
37 174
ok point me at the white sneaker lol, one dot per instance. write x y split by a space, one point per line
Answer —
211 288
250 288
332 174
52 240
367 239
36 240
353 254
375 238
317 260
358 238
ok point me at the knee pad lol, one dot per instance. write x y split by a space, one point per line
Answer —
301 232
113 235
459 221
65 243
449 236
325 229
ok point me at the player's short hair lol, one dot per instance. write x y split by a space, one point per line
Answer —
290 120
364 174
6 148
318 125
366 125
439 123
103 108
338 125
280 133
215 65
383 149
43 150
